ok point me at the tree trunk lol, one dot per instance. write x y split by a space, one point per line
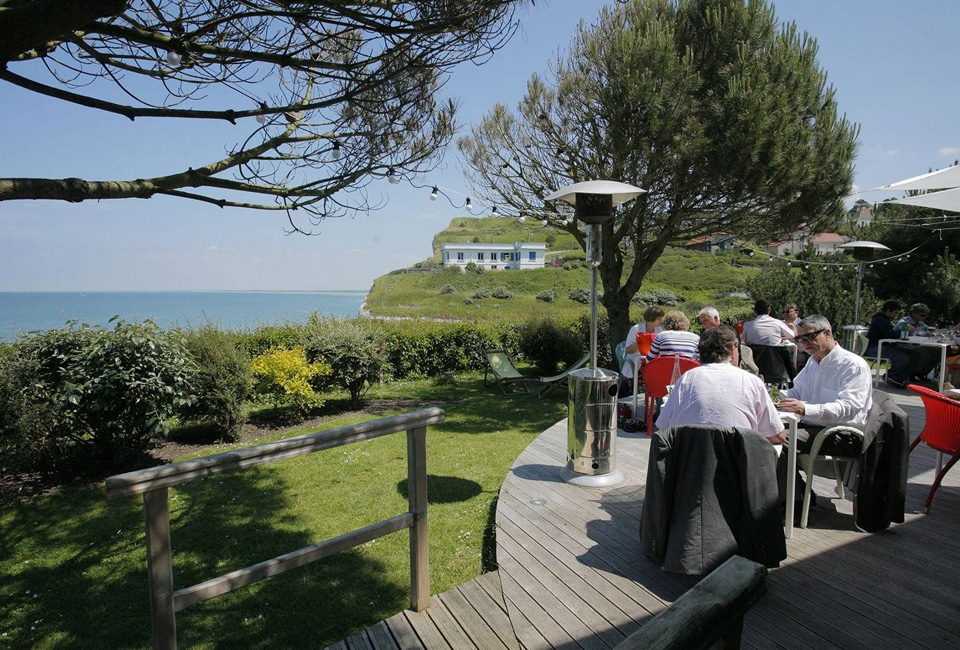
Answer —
618 312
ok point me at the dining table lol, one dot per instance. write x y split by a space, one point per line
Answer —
921 341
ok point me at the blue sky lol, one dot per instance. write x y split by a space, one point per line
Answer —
892 62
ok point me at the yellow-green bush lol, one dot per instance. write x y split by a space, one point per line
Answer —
286 374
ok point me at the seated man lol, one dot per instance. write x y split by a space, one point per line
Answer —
764 329
709 317
833 388
926 358
902 360
720 394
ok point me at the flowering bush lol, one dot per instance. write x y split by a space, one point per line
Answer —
286 375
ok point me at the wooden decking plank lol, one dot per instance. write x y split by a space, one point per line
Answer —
380 637
535 622
358 642
567 615
621 611
487 599
476 628
426 630
449 627
404 635
587 610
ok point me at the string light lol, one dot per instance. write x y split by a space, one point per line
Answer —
544 222
392 176
433 193
522 219
337 153
469 205
173 58
494 213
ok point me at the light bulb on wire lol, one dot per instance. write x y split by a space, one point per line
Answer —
469 206
544 222
522 219
392 176
336 153
433 194
173 58
494 213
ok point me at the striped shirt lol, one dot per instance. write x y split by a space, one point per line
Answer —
679 343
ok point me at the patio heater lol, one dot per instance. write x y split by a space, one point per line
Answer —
863 252
592 407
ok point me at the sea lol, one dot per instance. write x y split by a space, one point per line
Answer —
42 310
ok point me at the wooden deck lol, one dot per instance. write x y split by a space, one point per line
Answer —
572 576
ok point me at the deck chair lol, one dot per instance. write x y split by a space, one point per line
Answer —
557 380
508 378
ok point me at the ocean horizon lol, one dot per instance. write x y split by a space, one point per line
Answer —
26 311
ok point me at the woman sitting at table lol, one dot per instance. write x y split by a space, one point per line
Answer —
652 318
720 394
902 360
675 339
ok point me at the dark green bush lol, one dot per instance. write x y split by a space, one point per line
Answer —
549 345
547 296
447 288
428 349
98 392
223 383
501 293
353 353
581 295
482 292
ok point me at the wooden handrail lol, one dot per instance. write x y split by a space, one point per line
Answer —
144 480
153 484
710 615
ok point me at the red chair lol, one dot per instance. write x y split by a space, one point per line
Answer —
656 375
941 431
644 341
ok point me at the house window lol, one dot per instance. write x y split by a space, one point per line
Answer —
503 257
533 256
493 266
459 256
480 257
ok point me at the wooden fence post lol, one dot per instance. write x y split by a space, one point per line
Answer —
160 569
419 540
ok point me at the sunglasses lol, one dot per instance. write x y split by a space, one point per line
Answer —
809 336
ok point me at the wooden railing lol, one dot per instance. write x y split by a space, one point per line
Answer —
153 483
709 616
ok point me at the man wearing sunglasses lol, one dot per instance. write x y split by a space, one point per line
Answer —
834 387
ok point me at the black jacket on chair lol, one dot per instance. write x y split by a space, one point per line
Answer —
711 493
776 363
879 479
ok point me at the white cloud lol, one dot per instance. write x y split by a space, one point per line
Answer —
949 151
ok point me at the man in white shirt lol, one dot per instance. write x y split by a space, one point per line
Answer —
718 393
709 318
764 329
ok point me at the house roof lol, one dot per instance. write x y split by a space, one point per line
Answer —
714 237
520 245
826 238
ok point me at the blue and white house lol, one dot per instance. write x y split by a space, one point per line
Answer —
491 257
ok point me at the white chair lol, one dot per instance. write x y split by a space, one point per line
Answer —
807 461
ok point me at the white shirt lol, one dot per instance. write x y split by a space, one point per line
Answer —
721 395
836 390
766 330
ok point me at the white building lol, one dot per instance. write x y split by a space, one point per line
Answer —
521 255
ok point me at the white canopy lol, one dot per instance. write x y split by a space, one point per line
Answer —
938 180
948 200
621 192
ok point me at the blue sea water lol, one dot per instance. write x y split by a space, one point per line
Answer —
26 311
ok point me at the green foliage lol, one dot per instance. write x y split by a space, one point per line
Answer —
581 295
82 391
549 345
223 382
447 288
501 293
352 352
427 349
472 267
547 296
482 292
815 290
285 375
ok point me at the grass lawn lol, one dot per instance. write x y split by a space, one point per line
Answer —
73 565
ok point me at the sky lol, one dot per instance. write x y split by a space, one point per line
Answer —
892 63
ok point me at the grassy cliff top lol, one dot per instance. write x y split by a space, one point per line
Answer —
504 230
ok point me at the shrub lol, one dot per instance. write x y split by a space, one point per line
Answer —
572 265
467 301
447 288
425 349
286 375
482 292
501 293
547 296
29 417
581 295
353 354
95 391
548 345
665 297
470 266
223 382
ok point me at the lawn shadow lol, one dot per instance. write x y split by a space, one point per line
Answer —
84 582
445 489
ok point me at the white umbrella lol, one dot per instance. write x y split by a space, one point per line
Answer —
938 180
948 200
